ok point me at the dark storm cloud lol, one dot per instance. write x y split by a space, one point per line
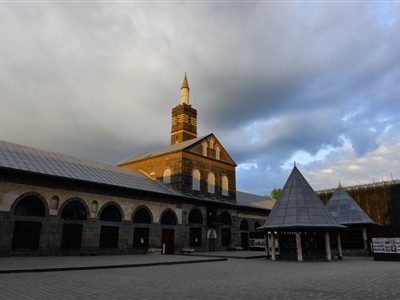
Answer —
314 82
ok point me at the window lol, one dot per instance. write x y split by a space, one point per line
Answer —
143 216
111 213
167 176
211 143
74 210
196 180
217 153
205 146
195 217
168 218
225 186
211 183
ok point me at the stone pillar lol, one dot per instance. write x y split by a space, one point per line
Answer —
365 238
328 246
273 249
339 246
266 243
298 246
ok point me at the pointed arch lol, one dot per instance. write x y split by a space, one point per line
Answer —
142 215
244 225
168 217
226 219
195 217
111 212
30 204
74 209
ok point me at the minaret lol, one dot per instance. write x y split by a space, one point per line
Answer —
184 118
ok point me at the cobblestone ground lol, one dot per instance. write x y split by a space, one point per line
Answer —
359 278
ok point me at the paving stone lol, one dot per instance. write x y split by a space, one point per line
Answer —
258 278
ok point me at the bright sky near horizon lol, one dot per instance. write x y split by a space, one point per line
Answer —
312 81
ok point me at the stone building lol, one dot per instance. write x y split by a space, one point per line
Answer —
182 196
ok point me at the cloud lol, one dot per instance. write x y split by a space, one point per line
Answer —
276 82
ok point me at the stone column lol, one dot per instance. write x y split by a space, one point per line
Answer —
266 243
273 250
365 238
298 246
339 246
328 246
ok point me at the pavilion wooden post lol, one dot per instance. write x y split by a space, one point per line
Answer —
339 246
328 246
273 250
365 238
298 246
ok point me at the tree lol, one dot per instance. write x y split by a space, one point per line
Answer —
276 193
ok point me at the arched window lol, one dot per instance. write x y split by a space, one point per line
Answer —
195 217
27 231
211 143
226 219
167 176
244 225
111 213
74 210
196 180
168 218
205 146
225 186
211 183
30 206
143 216
217 153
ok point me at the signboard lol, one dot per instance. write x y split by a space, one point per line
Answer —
386 245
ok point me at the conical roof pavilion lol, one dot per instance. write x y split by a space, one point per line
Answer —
345 210
299 207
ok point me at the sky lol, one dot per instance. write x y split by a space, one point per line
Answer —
311 82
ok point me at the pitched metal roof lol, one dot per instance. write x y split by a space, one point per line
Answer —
299 207
345 210
23 158
163 150
256 201
36 161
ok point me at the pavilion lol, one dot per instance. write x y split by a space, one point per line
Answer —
301 223
347 212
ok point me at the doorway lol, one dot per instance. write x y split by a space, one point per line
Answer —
168 240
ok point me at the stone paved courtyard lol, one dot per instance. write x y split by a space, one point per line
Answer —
257 278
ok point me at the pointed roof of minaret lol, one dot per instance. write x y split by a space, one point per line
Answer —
185 83
345 210
299 207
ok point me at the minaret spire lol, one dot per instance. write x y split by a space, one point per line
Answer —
185 91
184 118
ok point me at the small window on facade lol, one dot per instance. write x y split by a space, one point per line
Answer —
205 146
167 176
211 183
217 153
225 186
196 180
211 143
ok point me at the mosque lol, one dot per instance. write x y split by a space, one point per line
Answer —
181 197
